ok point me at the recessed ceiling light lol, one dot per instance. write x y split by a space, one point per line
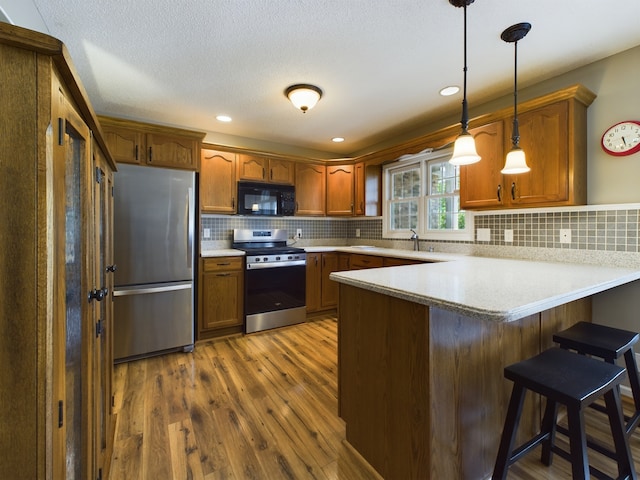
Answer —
223 118
450 90
337 139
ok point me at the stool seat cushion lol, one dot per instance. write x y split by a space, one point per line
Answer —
568 378
600 340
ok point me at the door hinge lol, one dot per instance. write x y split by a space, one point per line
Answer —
98 175
99 328
60 413
99 474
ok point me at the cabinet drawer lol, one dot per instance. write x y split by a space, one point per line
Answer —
365 261
219 264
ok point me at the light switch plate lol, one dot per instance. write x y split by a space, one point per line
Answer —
508 235
357 232
484 235
299 233
206 233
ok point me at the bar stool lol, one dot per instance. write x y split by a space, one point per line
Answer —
609 344
573 380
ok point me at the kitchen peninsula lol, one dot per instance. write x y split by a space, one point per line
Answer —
422 348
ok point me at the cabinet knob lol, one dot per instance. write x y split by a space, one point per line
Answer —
111 268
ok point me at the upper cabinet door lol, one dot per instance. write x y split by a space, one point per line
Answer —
172 151
544 137
340 189
310 189
251 167
126 146
281 171
481 184
217 181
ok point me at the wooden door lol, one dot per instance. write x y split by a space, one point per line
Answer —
481 184
172 151
103 347
340 190
78 401
314 282
311 189
329 288
544 137
251 167
281 171
218 188
126 146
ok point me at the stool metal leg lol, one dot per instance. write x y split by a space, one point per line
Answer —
509 432
623 454
577 444
634 382
549 425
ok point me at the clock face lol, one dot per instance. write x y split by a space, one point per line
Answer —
622 138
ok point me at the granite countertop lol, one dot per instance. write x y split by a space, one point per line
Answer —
492 289
222 252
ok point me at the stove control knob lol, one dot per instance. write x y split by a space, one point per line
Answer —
277 258
290 257
257 259
265 259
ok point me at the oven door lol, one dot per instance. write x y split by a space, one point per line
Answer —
273 289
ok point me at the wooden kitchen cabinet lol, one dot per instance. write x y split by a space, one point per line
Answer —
322 292
340 186
152 145
265 169
218 187
553 133
396 262
311 191
481 184
55 237
220 296
367 189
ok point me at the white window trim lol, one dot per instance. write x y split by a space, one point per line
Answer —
422 158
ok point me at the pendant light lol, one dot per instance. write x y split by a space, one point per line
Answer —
516 161
464 149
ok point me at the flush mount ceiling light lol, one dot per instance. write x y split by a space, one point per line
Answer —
516 161
303 96
464 149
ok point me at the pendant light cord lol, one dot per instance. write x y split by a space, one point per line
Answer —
464 121
515 137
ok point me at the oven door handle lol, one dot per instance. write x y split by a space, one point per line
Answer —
260 266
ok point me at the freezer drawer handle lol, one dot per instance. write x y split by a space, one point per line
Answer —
140 291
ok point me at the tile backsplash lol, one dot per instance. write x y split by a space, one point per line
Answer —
603 228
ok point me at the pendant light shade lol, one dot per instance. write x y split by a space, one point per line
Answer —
516 160
303 96
464 150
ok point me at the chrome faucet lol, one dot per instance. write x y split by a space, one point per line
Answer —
415 238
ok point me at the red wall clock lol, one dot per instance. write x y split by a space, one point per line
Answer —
622 138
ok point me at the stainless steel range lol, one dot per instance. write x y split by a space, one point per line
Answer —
275 278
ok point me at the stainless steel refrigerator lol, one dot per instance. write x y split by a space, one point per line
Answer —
154 223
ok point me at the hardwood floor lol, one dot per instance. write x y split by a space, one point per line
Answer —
262 406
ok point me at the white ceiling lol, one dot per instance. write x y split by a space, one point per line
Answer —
380 63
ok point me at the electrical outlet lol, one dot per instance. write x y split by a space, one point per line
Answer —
565 235
357 232
207 233
484 235
508 235
299 233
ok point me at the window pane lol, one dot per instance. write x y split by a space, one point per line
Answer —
444 177
404 215
444 214
405 184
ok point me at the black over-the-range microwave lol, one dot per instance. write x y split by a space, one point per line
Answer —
255 198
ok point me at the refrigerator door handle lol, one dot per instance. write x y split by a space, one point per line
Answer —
145 290
190 227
